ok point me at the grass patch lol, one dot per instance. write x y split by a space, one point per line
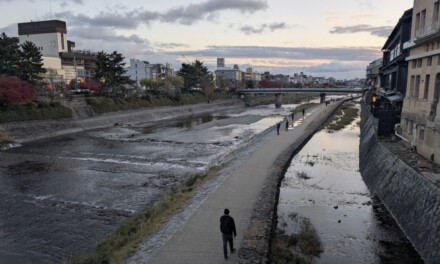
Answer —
102 104
342 118
297 248
123 241
308 240
33 111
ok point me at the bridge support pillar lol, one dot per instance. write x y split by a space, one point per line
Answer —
322 98
278 100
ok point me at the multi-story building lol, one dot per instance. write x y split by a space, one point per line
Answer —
60 58
394 70
373 73
420 121
138 70
50 37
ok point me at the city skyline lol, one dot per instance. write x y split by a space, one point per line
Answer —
318 38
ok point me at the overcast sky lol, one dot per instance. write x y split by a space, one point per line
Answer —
336 38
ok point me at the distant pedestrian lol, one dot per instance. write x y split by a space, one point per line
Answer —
278 127
293 115
287 125
304 111
227 227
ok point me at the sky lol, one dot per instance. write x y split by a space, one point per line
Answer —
325 38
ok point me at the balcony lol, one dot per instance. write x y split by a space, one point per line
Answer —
428 32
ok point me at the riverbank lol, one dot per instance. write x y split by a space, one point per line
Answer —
20 132
238 188
406 185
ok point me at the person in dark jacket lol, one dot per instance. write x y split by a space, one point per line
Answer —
227 227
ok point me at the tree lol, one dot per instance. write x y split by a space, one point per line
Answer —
207 85
192 74
9 56
110 69
15 91
31 63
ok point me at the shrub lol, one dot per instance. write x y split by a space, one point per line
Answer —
14 91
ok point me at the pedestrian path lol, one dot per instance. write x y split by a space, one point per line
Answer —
199 239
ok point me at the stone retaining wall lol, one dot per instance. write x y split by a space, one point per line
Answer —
412 199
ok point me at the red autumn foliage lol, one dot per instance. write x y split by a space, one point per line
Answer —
15 91
92 85
269 84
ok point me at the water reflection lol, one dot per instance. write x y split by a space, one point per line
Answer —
323 185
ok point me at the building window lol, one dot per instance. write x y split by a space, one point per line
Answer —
417 87
409 127
435 14
411 87
414 62
419 63
422 21
425 92
421 133
417 24
429 62
62 41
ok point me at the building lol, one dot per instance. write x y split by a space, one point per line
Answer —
63 63
138 70
420 120
373 73
50 37
220 62
394 70
393 77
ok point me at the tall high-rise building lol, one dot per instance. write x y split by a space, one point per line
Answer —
220 62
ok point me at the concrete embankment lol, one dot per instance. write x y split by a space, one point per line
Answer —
412 198
33 130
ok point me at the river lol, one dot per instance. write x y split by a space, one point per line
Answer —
323 187
60 196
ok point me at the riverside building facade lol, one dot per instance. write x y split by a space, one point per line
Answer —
420 119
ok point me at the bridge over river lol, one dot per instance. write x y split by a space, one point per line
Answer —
278 92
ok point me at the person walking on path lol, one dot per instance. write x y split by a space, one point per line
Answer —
227 227
287 124
278 127
293 116
304 111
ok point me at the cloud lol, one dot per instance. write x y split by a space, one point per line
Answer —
296 53
382 31
168 46
249 30
334 66
185 15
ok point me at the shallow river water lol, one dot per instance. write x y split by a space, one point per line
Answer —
60 196
323 186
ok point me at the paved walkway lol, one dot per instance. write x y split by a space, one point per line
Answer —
199 240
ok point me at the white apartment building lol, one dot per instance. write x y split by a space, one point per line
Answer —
139 70
50 37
